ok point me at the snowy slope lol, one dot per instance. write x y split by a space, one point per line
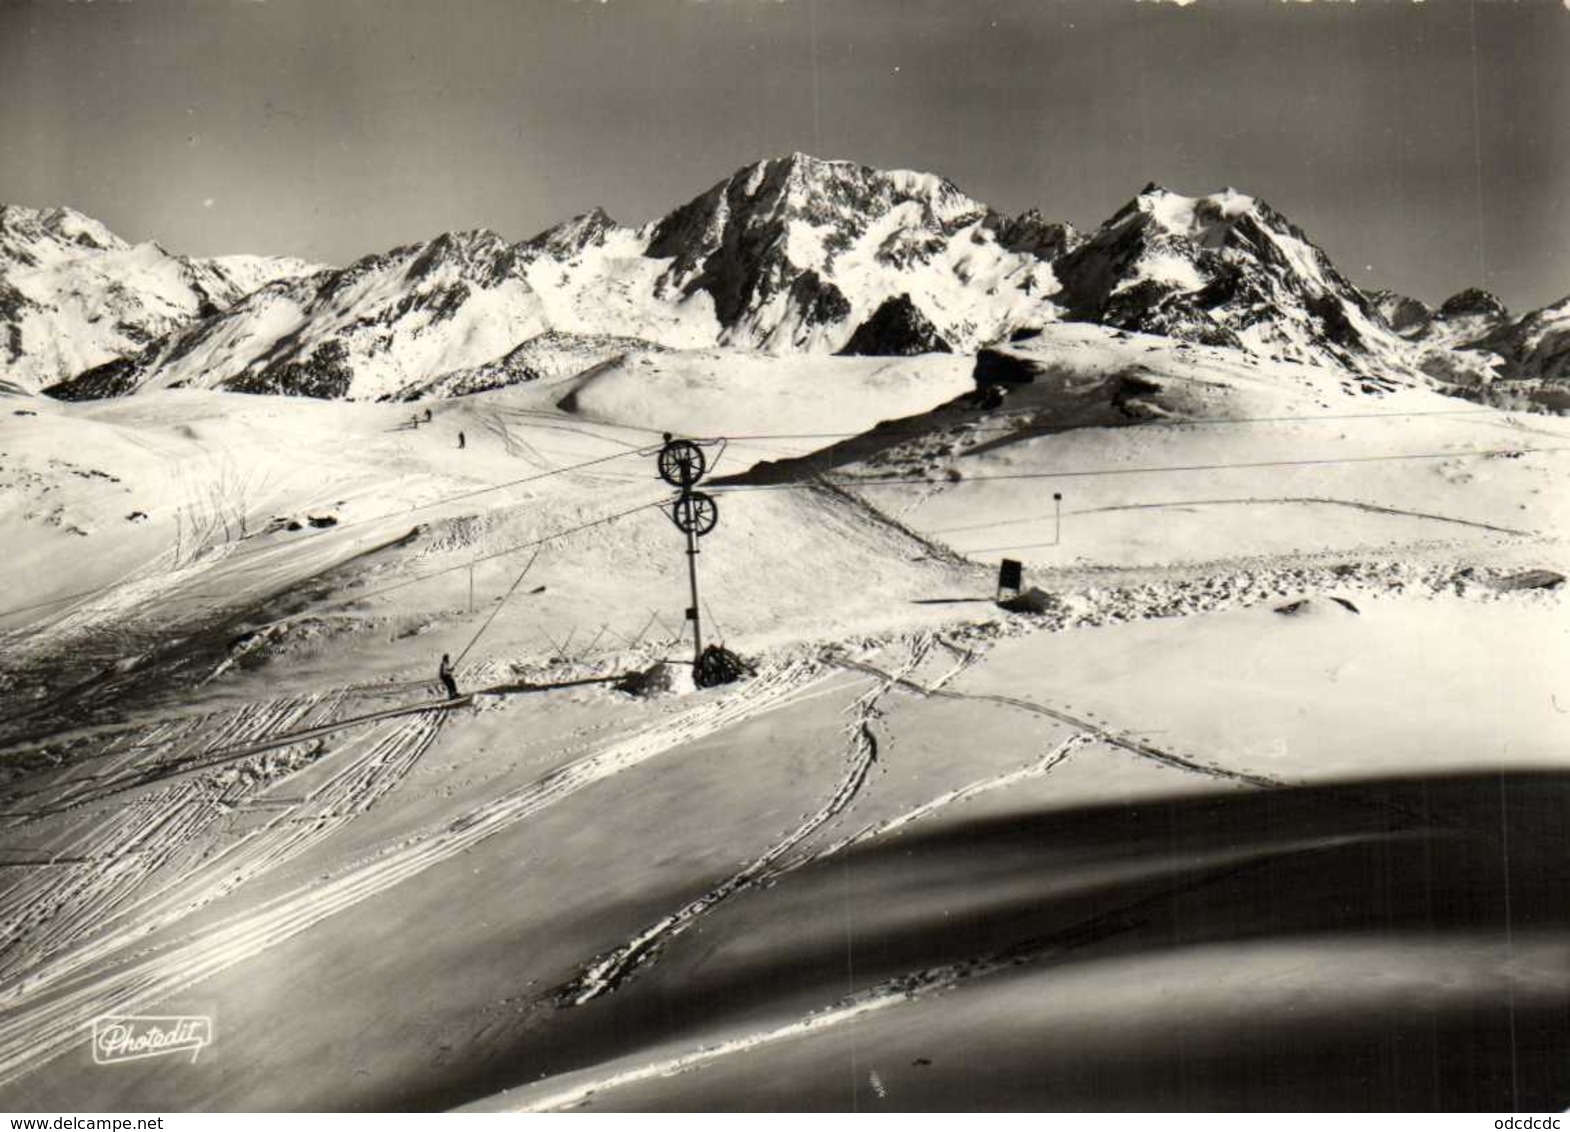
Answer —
226 767
554 354
1167 453
370 329
730 393
596 277
1013 817
1227 269
74 295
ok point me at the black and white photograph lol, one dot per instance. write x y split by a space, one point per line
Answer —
748 556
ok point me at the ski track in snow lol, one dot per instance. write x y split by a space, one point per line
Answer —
107 601
148 864
1089 727
936 980
1356 505
610 971
1038 769
44 1021
169 747
111 608
1135 746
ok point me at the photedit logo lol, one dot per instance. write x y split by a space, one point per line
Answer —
131 1037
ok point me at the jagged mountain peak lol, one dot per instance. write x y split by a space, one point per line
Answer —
1473 301
571 237
897 328
464 252
1520 364
1207 220
808 175
62 225
1032 233
794 252
815 191
465 239
1226 269
466 245
474 254
1462 321
1403 313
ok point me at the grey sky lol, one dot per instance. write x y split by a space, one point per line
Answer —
1422 144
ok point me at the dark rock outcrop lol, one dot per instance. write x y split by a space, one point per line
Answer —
1473 301
898 329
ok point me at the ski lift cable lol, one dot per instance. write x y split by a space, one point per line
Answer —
1175 423
893 481
242 555
510 589
552 537
719 630
1298 418
1074 473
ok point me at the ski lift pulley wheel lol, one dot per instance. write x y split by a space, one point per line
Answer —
695 513
682 463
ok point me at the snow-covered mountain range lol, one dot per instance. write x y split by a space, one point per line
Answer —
1471 345
74 295
792 255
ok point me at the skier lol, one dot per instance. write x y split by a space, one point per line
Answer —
460 440
445 673
427 415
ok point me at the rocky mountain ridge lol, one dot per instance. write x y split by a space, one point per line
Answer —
74 295
801 255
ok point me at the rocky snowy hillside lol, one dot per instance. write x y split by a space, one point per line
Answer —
796 254
1530 360
1402 312
1470 346
378 325
1227 270
554 354
74 295
1537 348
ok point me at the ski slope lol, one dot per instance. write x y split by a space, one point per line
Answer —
1235 788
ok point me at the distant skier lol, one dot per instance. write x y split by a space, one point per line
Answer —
427 414
460 440
445 673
